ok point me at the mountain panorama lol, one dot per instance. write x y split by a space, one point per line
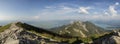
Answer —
76 32
59 21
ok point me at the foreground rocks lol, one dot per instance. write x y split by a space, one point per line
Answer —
112 38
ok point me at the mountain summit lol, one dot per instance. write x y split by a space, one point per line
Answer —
85 31
80 29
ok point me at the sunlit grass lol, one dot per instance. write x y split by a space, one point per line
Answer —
4 27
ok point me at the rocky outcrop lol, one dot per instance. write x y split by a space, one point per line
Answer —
112 38
18 35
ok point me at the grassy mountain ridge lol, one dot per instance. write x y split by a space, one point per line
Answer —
85 27
83 30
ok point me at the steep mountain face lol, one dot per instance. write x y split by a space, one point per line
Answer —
79 29
112 38
22 33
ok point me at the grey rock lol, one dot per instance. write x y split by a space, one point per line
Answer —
18 35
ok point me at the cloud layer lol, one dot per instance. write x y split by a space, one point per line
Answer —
61 11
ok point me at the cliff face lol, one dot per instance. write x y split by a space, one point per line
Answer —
18 35
112 38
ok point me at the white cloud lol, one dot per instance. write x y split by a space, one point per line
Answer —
84 10
66 12
112 10
60 12
110 14
116 3
106 13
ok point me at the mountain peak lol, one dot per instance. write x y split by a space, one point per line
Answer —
83 29
17 22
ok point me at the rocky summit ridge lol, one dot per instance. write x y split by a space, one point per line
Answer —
19 35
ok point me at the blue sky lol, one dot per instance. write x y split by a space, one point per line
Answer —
44 10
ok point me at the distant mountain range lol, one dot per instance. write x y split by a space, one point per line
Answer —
76 32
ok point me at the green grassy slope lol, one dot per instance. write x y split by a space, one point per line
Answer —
4 27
